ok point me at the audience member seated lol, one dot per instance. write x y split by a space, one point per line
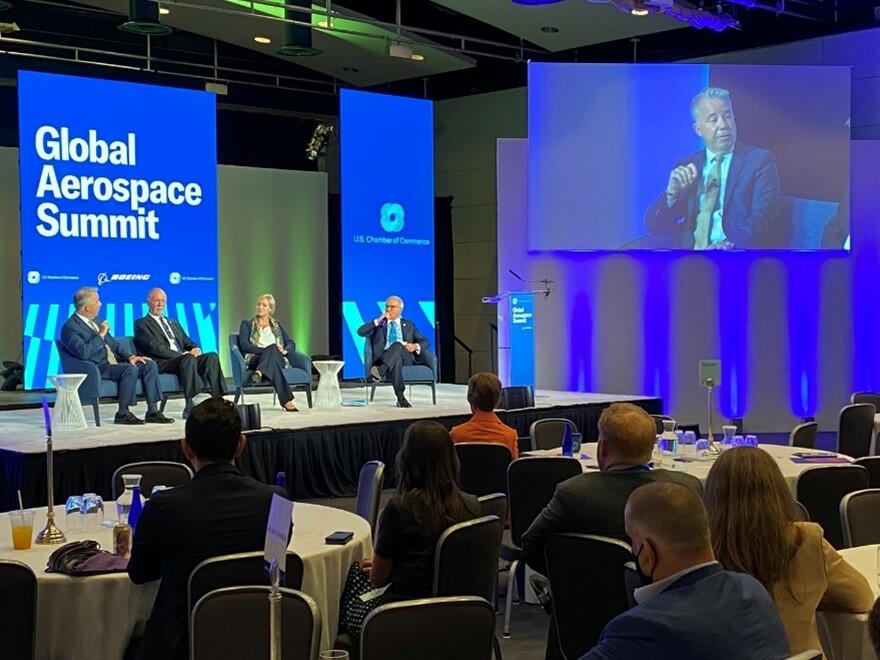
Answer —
484 393
692 608
427 501
593 503
220 511
752 518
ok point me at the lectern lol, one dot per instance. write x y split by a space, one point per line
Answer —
521 309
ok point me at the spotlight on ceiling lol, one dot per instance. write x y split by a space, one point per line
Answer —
143 18
164 11
263 40
298 38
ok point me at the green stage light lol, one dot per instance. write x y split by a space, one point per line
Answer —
298 38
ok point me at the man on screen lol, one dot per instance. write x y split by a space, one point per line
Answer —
723 196
164 340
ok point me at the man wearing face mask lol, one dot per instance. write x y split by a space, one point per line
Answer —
723 196
691 607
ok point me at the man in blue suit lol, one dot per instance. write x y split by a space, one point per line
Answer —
723 196
88 340
692 609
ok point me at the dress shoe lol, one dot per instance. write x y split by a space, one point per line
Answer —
375 376
155 417
127 418
256 377
292 408
403 403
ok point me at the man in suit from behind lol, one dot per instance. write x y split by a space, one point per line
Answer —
164 340
593 502
724 196
692 608
396 343
87 340
220 511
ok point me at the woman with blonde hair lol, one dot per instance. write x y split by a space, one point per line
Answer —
265 345
752 518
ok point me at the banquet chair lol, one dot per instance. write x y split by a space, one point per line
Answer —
466 559
460 627
547 433
631 581
855 429
232 623
867 397
369 491
820 489
812 654
153 473
483 467
18 598
860 517
803 435
658 422
242 569
588 583
801 513
531 483
494 504
872 465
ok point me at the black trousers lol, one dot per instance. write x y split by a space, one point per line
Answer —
126 375
270 363
186 367
391 364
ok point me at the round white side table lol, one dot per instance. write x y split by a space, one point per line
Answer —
328 394
67 414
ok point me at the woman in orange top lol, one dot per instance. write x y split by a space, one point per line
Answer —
754 531
484 393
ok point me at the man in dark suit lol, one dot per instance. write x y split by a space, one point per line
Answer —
593 502
219 512
721 197
84 338
164 340
396 343
692 608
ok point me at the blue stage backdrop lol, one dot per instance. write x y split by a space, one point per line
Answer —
118 191
387 213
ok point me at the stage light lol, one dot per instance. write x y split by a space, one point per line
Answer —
298 38
321 137
263 40
639 9
416 57
143 18
164 11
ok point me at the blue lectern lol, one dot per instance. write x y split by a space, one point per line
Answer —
522 338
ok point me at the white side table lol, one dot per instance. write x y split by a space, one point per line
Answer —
328 394
67 414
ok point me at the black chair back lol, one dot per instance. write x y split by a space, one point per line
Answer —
872 465
867 397
547 433
860 517
658 422
239 570
855 429
460 627
18 599
801 513
369 491
494 504
531 483
483 467
153 473
233 624
588 583
821 488
631 581
466 559
803 435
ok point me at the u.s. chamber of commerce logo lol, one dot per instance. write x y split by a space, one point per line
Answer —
392 217
33 277
104 278
174 278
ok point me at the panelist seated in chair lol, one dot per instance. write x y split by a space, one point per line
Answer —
164 340
396 343
83 337
484 394
265 345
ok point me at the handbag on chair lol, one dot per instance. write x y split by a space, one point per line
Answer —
250 416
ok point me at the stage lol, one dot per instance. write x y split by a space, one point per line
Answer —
320 450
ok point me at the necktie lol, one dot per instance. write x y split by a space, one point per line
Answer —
111 358
392 333
707 208
166 327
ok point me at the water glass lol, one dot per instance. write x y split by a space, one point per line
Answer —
751 441
668 446
690 438
729 435
93 512
576 440
73 519
22 523
702 447
738 441
333 655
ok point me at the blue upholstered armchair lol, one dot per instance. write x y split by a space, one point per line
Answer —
298 374
414 374
94 386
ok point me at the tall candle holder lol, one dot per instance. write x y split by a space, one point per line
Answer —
50 534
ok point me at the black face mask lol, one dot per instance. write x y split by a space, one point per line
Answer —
645 578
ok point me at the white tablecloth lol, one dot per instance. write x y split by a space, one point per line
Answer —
845 636
93 618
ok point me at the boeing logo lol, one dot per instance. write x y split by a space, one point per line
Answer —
392 217
103 278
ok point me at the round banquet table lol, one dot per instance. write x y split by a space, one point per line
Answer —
845 635
94 617
782 454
